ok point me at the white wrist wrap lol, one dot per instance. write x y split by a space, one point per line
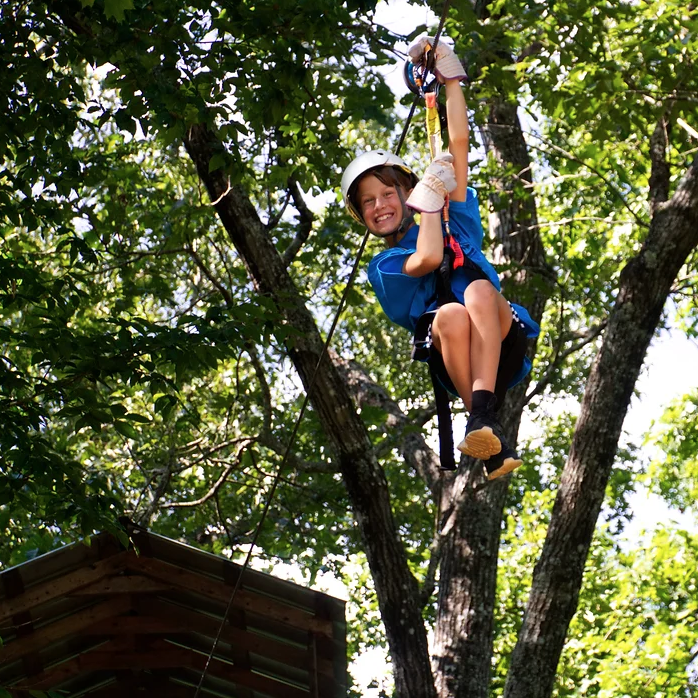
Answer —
428 196
448 66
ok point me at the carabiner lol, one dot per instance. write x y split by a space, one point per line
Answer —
416 75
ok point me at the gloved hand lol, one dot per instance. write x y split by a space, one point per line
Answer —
429 194
447 65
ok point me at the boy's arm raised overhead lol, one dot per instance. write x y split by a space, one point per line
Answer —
458 137
449 71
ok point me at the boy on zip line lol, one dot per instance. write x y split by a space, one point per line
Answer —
473 339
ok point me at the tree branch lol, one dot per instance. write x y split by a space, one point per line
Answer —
274 220
660 176
217 485
227 297
409 441
306 217
589 336
268 440
267 408
429 583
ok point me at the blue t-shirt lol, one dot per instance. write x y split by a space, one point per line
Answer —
406 298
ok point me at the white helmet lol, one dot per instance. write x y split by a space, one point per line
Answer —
361 165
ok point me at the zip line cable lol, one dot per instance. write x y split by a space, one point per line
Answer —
306 399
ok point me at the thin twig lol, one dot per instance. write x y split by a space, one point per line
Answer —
590 336
307 217
227 297
217 485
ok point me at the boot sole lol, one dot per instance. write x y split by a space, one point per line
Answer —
482 444
506 467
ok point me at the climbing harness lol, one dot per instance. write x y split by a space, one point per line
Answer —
304 404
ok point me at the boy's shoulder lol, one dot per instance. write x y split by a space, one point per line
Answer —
471 198
467 211
390 260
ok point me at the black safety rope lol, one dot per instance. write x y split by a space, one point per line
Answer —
294 432
417 96
277 477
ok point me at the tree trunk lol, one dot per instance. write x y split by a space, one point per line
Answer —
644 286
463 636
365 480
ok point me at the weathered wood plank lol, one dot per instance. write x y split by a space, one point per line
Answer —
318 603
63 628
207 626
244 599
123 584
137 625
132 688
57 562
105 658
62 586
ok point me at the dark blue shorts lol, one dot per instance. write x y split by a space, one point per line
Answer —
511 357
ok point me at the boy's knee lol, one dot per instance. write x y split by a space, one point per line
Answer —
480 294
452 318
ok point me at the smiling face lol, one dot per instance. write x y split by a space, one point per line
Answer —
380 205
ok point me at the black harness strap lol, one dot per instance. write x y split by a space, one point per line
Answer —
421 351
443 420
444 294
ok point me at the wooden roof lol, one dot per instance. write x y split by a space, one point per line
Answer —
101 621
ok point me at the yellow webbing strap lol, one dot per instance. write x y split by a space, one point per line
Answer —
435 142
433 125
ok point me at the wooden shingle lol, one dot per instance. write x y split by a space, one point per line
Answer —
98 621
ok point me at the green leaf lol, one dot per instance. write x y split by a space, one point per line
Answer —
217 162
126 429
140 419
117 8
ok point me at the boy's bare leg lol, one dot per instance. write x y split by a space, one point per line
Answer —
450 333
490 322
490 318
470 338
456 337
